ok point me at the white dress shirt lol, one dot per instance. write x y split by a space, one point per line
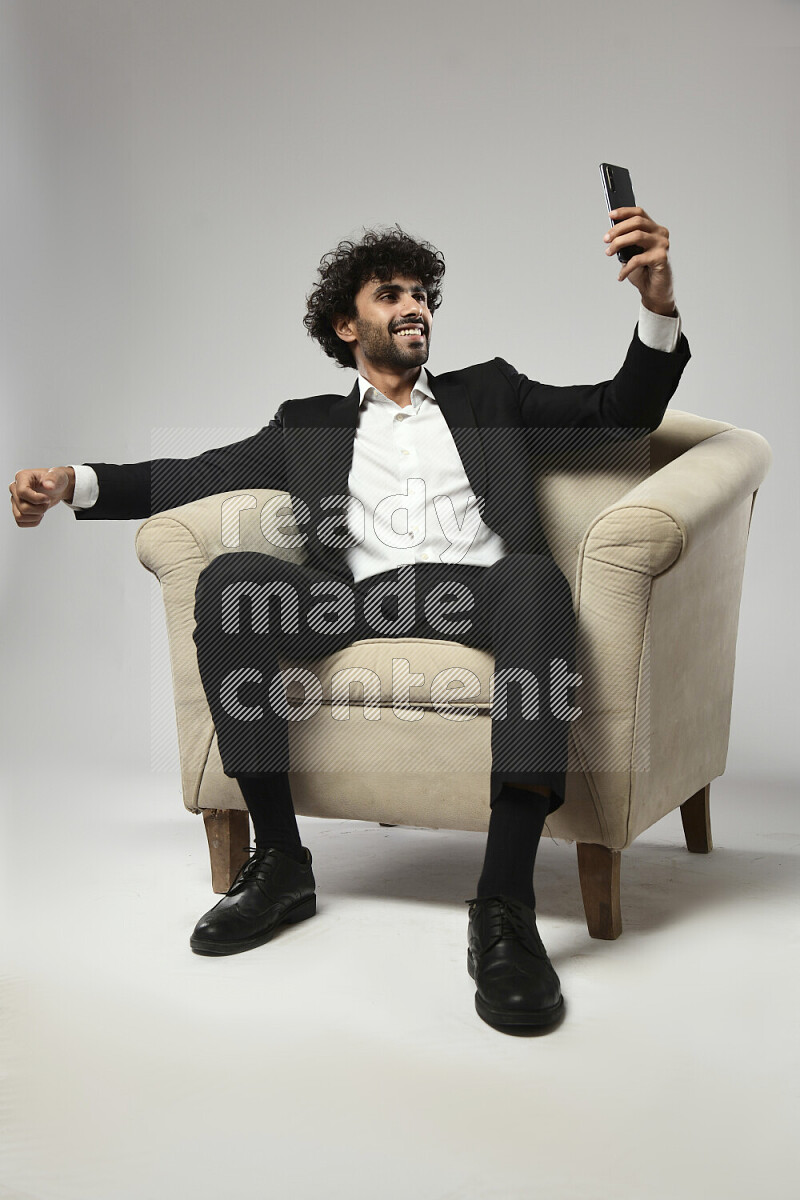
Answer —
410 498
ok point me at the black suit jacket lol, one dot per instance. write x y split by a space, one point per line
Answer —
499 419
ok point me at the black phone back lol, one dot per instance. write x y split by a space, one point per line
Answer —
619 194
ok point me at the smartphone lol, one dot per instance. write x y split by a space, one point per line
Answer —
619 194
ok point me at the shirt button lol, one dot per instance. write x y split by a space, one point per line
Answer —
405 451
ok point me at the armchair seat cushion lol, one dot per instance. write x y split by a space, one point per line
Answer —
376 658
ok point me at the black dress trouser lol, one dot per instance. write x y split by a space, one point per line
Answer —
252 609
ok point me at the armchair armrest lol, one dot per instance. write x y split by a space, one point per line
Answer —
176 545
653 524
193 534
657 594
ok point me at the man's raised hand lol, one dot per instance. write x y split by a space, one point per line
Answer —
36 490
649 271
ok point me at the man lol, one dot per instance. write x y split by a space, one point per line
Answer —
471 565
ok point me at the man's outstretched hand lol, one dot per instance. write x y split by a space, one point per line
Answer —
649 271
36 490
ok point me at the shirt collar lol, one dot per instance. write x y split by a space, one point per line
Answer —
368 391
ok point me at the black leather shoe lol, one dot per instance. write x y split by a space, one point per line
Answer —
270 890
517 985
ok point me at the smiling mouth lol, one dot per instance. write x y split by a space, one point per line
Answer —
410 332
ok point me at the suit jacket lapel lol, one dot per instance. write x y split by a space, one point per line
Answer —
344 410
343 417
454 401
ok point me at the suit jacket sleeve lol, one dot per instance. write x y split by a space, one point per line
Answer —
136 490
635 399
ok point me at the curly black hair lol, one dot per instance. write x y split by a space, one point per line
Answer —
380 254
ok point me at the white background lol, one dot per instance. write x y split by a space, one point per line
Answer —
174 171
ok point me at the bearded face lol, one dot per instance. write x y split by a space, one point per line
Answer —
393 324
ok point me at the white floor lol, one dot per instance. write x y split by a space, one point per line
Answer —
345 1058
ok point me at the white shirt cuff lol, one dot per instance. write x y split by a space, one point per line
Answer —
87 488
657 332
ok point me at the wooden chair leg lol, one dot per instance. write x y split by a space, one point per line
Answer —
599 873
696 817
228 833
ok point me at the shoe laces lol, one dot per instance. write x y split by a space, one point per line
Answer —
248 868
505 920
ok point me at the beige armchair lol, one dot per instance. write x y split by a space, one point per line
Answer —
656 570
